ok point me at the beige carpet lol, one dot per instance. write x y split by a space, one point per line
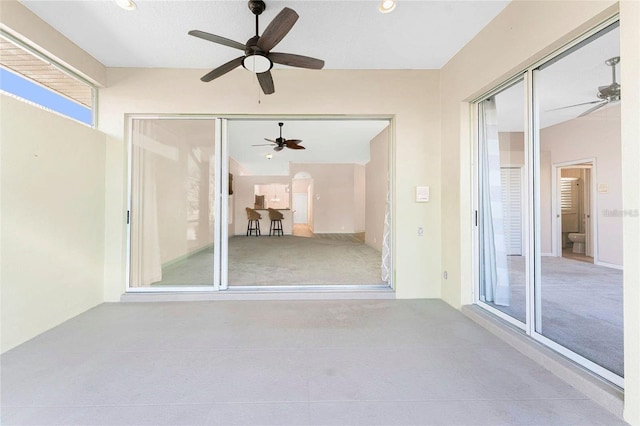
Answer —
291 260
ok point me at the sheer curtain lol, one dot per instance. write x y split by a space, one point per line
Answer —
494 284
145 243
386 241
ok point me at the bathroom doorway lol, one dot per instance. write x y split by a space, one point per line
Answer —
575 229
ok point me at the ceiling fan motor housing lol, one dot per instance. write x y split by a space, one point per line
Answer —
257 6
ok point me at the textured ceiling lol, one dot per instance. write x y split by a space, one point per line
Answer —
346 34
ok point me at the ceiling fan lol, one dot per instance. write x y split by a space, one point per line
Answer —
606 94
281 143
258 57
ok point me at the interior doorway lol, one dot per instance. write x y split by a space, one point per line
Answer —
576 226
334 229
302 187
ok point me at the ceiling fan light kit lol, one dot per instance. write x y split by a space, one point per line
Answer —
258 57
257 63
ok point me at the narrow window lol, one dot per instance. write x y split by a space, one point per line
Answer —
32 77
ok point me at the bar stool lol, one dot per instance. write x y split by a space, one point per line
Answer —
253 226
276 222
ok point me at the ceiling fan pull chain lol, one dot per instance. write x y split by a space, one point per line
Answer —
258 88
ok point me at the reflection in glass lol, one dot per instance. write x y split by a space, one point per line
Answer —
501 196
172 209
579 290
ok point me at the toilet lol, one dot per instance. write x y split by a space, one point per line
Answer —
578 242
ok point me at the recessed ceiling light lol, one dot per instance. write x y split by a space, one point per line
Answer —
269 156
387 6
126 4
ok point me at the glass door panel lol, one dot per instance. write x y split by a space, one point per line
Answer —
579 243
501 161
173 188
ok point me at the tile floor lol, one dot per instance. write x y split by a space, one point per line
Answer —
369 362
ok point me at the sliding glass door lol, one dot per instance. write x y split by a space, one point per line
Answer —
501 160
579 179
549 229
175 179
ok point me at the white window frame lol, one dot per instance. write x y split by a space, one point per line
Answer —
62 68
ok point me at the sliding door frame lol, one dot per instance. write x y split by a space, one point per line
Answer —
224 285
221 200
531 205
521 77
218 138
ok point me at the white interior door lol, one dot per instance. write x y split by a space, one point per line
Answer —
300 213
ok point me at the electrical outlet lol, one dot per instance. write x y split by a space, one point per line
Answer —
445 275
420 231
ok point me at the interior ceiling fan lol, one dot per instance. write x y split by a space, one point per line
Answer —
281 143
258 56
606 94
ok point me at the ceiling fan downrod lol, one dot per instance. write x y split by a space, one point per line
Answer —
257 7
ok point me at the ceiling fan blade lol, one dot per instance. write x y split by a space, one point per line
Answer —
292 143
298 61
222 69
266 82
575 105
217 39
278 148
590 110
263 144
295 146
277 29
270 140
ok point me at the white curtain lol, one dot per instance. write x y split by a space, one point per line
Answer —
493 255
386 241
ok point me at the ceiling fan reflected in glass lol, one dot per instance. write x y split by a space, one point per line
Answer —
258 57
606 94
281 143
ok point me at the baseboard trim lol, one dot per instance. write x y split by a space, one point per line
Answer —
187 255
594 387
609 265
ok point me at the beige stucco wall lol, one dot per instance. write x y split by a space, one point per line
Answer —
412 97
52 225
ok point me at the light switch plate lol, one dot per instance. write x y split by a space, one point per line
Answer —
422 194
